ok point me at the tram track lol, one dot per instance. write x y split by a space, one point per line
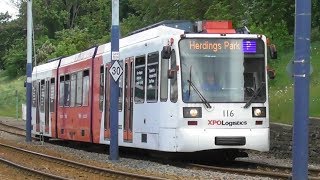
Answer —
241 167
255 169
55 166
29 171
12 129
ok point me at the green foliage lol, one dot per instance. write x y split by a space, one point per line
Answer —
4 17
316 15
278 33
53 15
130 24
71 41
16 60
221 10
281 104
95 17
282 87
315 34
12 95
44 52
11 35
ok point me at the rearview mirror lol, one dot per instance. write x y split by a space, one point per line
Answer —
171 73
271 73
273 51
166 52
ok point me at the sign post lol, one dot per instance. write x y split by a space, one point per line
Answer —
115 72
29 70
301 89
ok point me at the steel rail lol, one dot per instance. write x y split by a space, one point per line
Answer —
33 171
312 171
315 172
81 165
245 171
15 129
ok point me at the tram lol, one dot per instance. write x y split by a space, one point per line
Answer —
163 103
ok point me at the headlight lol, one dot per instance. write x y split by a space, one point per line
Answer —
192 112
259 112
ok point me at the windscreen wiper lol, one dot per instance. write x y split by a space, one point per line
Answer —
190 81
203 99
254 95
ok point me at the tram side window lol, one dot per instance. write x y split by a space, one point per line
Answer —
79 89
67 90
140 64
61 91
173 81
85 92
152 77
52 93
42 95
73 89
101 88
34 95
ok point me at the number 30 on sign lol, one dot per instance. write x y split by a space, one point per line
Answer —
116 70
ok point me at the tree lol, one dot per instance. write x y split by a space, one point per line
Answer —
11 33
52 15
15 59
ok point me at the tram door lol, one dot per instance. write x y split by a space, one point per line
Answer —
42 105
107 103
38 106
128 100
46 109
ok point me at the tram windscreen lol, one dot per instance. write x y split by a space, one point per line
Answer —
223 70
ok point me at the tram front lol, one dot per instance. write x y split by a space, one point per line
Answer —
224 92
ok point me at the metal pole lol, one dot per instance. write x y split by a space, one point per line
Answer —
17 105
114 147
29 70
301 89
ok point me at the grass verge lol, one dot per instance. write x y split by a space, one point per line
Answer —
12 95
281 89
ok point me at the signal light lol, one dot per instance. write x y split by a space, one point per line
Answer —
217 27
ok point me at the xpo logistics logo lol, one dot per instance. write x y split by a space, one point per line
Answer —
226 123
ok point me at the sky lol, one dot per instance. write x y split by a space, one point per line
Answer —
6 5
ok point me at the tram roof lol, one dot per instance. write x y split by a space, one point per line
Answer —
81 56
46 67
141 37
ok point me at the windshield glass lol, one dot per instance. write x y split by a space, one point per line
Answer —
224 70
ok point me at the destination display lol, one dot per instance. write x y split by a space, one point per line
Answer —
214 45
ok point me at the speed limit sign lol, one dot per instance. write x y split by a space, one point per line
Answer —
116 70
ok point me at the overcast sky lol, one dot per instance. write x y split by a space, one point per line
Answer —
6 5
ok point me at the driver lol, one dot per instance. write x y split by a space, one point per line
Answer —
210 84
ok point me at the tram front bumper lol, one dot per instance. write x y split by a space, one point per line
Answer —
191 140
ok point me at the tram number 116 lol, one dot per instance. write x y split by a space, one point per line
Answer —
228 113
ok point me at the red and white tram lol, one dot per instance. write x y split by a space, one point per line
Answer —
163 104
